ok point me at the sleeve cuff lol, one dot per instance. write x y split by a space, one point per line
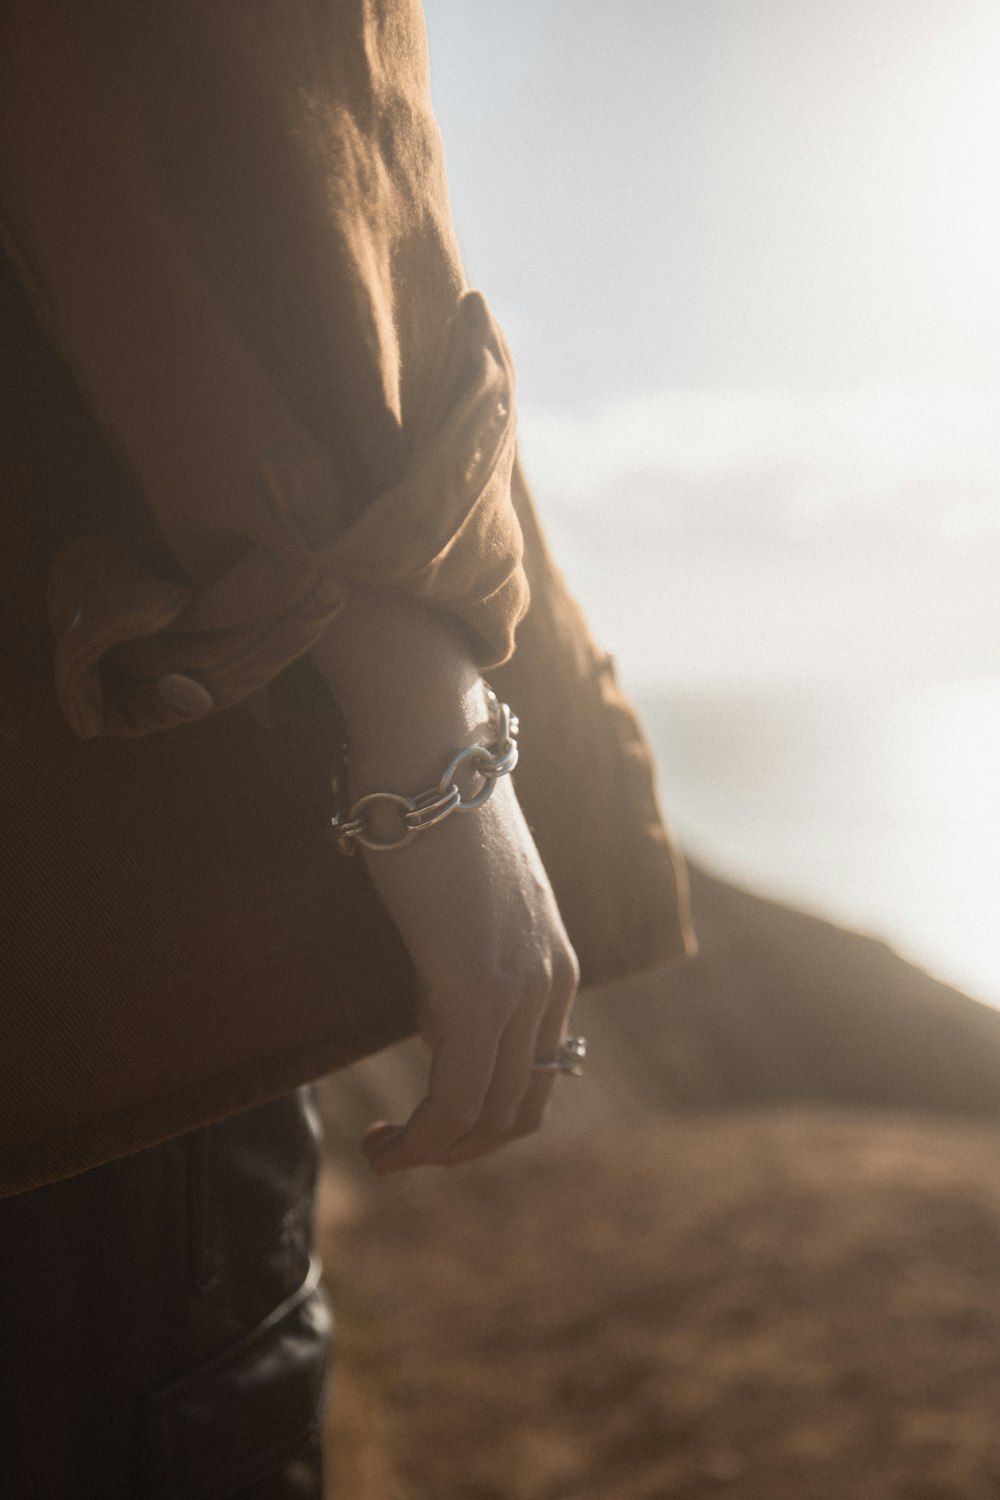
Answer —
448 533
136 652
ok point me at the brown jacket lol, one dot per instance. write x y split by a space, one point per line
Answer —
247 372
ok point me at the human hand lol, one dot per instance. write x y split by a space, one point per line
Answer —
470 897
497 976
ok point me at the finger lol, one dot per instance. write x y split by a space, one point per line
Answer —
462 1066
512 1077
534 1106
528 1119
538 1095
534 1093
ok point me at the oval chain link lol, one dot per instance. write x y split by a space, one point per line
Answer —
432 807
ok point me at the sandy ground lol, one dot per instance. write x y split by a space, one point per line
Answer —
791 1304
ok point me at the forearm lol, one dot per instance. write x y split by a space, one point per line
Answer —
406 684
470 898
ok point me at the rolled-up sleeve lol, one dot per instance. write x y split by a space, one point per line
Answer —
234 225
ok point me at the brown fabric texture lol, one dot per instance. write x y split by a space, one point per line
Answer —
119 125
272 382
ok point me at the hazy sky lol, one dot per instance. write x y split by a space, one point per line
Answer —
747 253
728 192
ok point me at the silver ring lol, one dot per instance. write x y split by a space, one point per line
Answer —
569 1058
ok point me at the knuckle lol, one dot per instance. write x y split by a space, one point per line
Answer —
537 988
565 971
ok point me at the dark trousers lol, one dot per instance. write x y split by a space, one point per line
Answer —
162 1332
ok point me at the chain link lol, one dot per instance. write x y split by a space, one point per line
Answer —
430 808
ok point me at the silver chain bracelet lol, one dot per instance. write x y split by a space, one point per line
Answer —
498 758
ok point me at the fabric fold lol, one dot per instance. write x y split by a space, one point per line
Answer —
235 488
446 534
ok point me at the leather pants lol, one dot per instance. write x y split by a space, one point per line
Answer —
162 1331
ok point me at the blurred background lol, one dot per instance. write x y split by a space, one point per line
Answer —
746 253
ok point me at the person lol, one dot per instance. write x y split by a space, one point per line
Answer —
266 541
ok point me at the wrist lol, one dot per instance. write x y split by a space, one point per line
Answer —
409 691
397 668
407 746
466 782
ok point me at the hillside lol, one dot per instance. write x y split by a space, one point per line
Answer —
755 1253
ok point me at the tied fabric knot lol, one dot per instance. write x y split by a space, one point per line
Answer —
132 653
173 329
136 652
